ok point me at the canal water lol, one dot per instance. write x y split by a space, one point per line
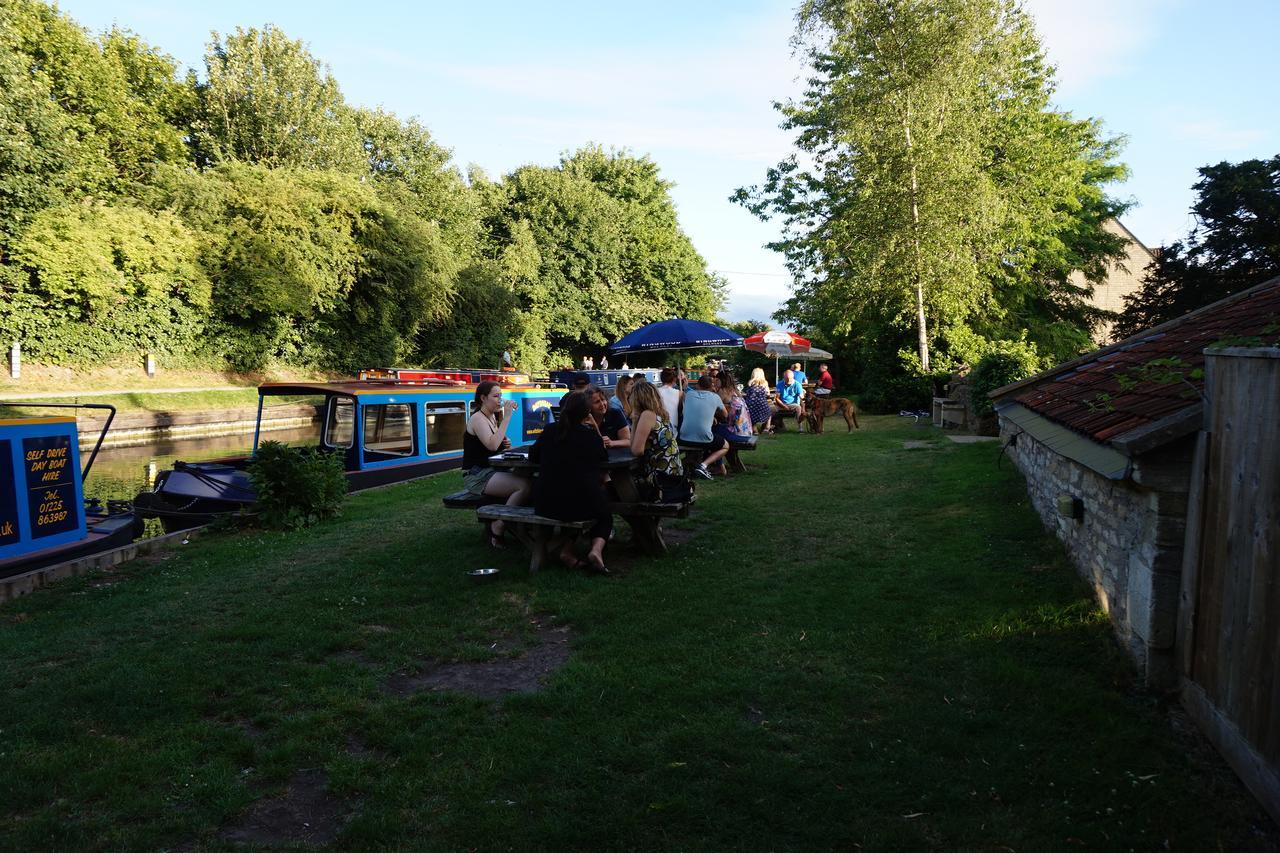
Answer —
119 473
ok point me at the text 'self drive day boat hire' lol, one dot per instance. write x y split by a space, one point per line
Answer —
44 518
388 426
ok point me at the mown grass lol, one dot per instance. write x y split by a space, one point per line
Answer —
857 645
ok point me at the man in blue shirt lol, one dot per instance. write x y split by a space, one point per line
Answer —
790 399
702 407
799 374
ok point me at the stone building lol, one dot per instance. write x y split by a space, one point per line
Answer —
1105 442
1123 277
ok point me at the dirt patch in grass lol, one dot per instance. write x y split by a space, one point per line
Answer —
305 814
492 679
674 536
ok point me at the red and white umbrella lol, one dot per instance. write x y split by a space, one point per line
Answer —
777 344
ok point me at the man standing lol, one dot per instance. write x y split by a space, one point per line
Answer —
604 362
790 399
825 385
669 391
702 407
799 374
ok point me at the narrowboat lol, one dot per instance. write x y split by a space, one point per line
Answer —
607 379
388 427
44 518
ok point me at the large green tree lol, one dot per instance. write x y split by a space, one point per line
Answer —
1235 245
267 100
934 189
592 249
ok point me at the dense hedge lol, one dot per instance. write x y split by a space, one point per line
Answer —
250 215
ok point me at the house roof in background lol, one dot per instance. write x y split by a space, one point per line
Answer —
1110 394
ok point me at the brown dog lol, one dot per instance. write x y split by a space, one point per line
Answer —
817 408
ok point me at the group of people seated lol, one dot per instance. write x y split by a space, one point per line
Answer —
570 484
785 400
657 423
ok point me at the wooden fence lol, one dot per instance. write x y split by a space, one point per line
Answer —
1229 612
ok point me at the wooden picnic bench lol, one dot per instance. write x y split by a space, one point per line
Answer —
467 500
535 532
643 517
731 459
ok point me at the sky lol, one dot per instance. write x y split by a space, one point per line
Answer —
691 84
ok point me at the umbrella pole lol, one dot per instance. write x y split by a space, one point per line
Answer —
776 358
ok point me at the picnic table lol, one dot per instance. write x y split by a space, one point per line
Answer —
644 517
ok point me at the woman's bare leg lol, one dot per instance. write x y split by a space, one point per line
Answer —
514 488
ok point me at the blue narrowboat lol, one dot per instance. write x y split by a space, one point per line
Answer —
386 430
44 518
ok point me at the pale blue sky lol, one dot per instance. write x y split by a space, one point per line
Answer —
1189 82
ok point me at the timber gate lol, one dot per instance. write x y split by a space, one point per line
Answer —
1229 612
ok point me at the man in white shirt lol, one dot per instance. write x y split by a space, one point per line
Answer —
669 391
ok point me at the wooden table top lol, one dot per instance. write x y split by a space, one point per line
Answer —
517 459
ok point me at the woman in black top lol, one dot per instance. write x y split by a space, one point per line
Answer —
569 485
482 438
610 422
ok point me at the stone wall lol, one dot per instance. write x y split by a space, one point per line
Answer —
1128 545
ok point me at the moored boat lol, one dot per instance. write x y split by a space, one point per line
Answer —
386 428
44 518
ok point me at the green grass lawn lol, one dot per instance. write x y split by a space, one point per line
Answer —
853 645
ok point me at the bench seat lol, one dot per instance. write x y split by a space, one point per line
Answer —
661 510
466 500
533 531
526 515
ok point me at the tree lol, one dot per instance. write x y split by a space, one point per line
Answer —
660 262
267 100
942 193
79 118
1234 245
405 161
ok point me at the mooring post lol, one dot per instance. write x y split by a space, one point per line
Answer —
15 360
151 365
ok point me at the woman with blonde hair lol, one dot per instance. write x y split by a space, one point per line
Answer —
757 399
619 399
654 439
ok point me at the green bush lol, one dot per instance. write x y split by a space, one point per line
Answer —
1009 362
296 486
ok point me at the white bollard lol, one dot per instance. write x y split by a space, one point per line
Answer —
15 360
151 366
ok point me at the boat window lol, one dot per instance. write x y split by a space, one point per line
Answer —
338 425
446 422
388 429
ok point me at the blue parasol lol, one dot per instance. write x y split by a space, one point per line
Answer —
676 334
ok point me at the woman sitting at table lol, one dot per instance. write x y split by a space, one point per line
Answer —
619 399
482 439
654 439
610 422
569 486
737 424
758 401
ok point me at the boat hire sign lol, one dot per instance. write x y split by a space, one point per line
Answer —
51 486
40 488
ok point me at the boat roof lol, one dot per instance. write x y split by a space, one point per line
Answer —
356 388
23 421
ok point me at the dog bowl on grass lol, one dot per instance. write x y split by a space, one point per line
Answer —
483 575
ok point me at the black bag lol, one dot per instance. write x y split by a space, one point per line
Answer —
673 489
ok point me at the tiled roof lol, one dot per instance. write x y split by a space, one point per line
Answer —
1113 391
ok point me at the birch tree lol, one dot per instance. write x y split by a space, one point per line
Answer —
927 163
